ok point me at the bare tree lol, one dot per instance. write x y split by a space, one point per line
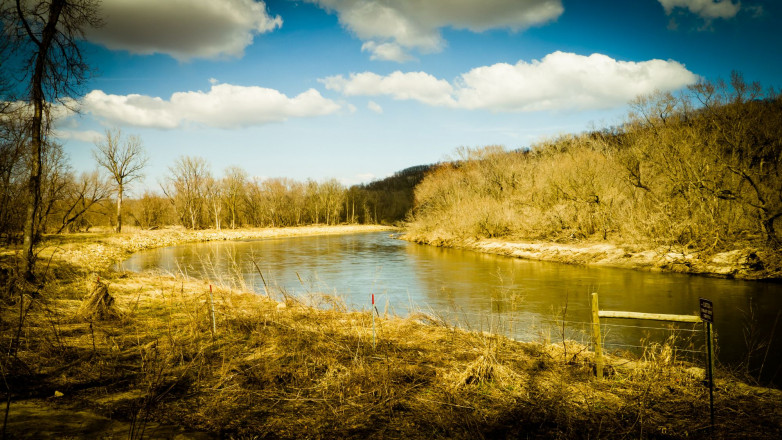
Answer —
234 188
90 189
332 195
213 193
151 211
124 161
185 188
44 36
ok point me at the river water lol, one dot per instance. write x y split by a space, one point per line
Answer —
527 300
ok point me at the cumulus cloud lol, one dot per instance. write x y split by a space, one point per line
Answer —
391 28
560 81
567 81
223 106
419 86
183 29
706 9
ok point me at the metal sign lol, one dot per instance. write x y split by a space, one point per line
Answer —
707 310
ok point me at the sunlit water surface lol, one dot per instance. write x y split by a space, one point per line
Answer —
527 300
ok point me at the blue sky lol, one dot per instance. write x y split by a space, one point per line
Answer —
359 89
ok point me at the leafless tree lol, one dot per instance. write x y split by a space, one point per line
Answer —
84 193
152 211
234 188
123 160
213 193
185 188
44 36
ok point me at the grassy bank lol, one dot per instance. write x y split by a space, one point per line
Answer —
744 263
270 367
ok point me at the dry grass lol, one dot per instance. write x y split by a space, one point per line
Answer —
279 369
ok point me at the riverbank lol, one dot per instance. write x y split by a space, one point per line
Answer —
745 263
165 352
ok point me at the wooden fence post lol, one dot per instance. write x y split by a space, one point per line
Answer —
596 338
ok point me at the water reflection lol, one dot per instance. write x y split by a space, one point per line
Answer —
517 297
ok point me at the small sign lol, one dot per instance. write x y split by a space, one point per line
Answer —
707 310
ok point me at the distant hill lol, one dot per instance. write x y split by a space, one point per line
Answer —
386 200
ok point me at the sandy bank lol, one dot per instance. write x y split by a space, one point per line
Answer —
749 264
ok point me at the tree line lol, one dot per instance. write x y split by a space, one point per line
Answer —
193 197
190 194
701 170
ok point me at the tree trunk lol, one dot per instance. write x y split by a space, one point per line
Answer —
119 209
36 127
33 188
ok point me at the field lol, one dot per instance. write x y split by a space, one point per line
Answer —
158 356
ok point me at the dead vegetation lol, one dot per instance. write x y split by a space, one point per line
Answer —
276 368
692 178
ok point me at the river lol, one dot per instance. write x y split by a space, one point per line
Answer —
527 300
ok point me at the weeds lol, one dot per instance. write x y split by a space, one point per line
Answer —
305 367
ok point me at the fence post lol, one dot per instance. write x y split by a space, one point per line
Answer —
596 338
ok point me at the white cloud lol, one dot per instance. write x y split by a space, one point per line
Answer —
393 27
419 86
706 9
558 81
184 29
567 81
223 106
386 52
375 107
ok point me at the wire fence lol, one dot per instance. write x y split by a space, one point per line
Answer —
685 341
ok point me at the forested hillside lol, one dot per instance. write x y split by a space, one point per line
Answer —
700 171
389 200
